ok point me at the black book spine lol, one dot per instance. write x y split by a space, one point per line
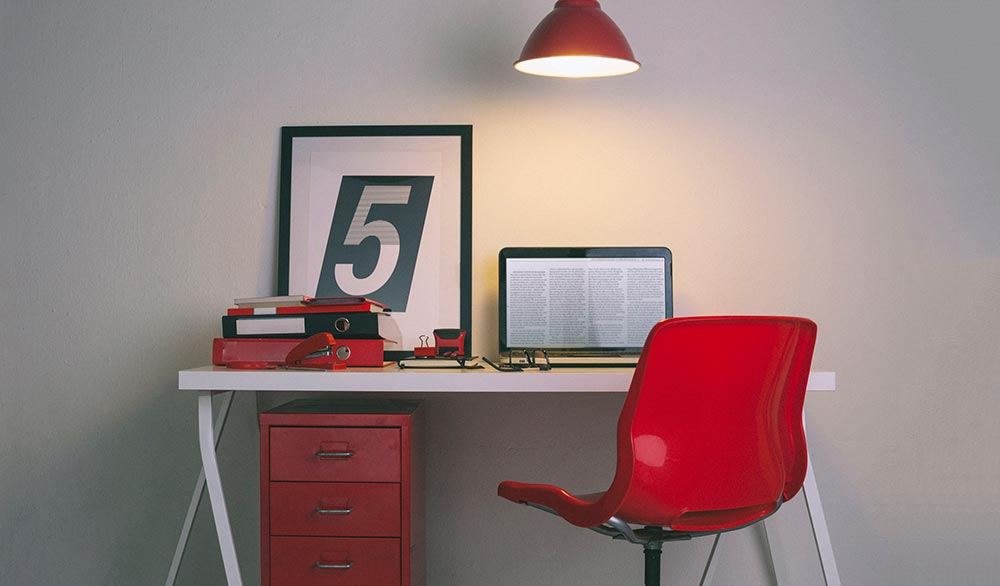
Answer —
349 325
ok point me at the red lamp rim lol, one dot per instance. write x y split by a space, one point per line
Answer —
577 28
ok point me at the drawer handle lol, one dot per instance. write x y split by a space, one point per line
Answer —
334 454
346 566
346 511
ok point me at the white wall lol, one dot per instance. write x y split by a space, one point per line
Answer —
836 160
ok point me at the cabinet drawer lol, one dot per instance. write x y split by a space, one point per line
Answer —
295 561
335 509
355 454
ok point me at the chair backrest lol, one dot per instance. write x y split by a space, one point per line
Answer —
710 436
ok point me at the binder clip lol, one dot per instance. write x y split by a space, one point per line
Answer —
319 352
425 350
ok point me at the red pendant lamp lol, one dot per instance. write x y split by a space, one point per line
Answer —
577 39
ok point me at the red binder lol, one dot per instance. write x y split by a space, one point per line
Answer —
274 350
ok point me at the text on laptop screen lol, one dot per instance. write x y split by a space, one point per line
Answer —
605 301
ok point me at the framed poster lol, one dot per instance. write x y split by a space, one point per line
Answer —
383 212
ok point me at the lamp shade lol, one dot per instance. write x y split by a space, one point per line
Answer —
577 39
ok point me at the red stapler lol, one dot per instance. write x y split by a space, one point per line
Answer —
450 342
319 352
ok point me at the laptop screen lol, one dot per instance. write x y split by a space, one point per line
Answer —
583 300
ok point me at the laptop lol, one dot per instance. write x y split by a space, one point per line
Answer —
582 306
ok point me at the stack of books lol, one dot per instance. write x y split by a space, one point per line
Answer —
265 329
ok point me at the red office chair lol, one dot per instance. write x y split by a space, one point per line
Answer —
710 437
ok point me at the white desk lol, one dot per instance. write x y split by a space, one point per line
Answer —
210 380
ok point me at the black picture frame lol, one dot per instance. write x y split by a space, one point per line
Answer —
388 208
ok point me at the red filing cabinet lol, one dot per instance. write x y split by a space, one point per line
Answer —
341 494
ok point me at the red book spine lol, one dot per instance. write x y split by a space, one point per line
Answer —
299 309
274 350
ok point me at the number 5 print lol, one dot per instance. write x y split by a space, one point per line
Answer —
374 238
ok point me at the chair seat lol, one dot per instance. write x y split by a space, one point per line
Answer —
591 510
581 510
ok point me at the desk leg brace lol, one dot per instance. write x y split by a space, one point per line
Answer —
214 483
210 467
199 490
820 532
821 536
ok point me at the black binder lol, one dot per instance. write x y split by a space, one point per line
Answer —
347 325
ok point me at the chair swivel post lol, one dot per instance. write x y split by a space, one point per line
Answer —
652 552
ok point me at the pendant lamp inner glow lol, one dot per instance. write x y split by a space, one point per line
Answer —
577 39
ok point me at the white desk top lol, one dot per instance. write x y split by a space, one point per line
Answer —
392 379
